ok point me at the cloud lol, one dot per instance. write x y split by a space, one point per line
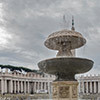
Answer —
25 24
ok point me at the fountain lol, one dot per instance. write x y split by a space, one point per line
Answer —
65 65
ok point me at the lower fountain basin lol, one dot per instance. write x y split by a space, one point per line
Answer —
65 68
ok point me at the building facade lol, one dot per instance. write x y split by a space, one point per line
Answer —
89 87
30 82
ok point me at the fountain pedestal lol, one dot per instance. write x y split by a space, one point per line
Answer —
65 90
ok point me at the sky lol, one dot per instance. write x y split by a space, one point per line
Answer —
25 25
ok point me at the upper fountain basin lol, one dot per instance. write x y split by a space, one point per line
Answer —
65 37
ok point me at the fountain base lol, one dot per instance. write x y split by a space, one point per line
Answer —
65 90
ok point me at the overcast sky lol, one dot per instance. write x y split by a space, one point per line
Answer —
25 24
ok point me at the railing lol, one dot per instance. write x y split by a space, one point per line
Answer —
25 76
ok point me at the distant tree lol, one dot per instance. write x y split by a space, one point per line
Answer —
12 68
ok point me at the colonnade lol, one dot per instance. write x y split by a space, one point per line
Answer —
89 86
23 86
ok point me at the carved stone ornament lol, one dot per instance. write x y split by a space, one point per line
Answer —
54 91
74 91
64 92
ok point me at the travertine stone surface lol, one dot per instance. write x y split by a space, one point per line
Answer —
65 90
64 41
65 67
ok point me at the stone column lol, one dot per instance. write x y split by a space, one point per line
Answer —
41 85
38 86
11 86
2 86
28 87
65 90
49 87
83 87
21 86
15 86
94 87
90 86
5 86
18 86
98 86
24 86
86 87
44 85
34 86
79 87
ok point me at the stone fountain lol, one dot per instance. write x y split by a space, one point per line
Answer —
65 65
